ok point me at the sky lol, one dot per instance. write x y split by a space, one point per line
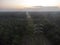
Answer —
27 3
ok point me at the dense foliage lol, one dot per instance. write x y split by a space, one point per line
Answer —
16 29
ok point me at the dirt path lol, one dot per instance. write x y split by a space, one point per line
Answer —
38 39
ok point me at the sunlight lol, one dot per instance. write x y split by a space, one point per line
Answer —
39 2
29 3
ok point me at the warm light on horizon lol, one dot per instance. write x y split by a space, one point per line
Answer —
28 3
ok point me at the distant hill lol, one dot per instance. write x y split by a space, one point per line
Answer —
35 8
41 8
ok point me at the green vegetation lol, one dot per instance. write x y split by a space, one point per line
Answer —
40 29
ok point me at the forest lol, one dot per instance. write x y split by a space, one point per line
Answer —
43 28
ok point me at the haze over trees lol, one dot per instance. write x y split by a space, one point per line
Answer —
43 28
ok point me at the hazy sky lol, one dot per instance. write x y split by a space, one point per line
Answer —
27 3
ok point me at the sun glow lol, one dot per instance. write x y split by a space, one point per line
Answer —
28 3
39 2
